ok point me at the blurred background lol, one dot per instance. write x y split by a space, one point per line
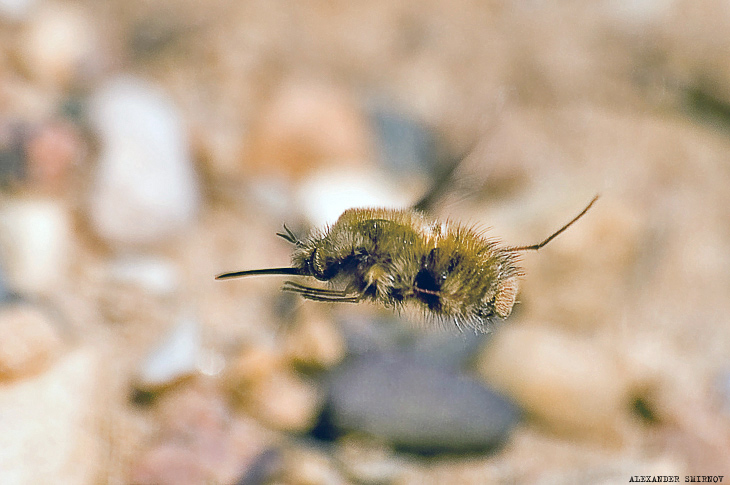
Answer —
147 146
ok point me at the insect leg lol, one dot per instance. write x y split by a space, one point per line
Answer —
320 294
292 286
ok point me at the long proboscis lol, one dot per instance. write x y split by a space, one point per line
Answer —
535 247
255 272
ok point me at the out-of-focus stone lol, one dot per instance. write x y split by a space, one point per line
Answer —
418 406
13 137
52 151
369 461
35 241
16 10
268 389
264 469
693 39
310 467
52 424
314 340
199 440
145 186
153 275
5 293
325 194
404 145
60 45
468 471
576 287
30 341
570 384
305 125
174 358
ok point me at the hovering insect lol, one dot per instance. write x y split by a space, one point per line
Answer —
400 258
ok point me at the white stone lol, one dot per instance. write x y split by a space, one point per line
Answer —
16 10
154 275
30 342
35 239
326 194
145 187
175 357
52 424
60 43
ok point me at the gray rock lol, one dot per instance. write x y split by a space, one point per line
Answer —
450 349
418 406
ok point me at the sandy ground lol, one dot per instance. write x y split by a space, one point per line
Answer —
618 347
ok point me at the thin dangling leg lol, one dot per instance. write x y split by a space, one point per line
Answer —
320 294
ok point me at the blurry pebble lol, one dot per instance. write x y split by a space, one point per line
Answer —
418 406
154 275
52 151
325 194
35 243
569 383
403 144
286 402
264 468
170 463
30 341
566 284
145 186
698 448
368 460
199 440
58 416
6 294
13 167
472 470
722 390
60 45
267 388
692 54
16 10
310 467
314 340
448 349
305 125
174 358
373 333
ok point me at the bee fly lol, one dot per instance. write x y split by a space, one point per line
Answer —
400 258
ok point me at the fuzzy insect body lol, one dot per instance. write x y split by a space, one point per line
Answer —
400 258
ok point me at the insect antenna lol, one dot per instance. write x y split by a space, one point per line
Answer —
290 237
535 247
255 272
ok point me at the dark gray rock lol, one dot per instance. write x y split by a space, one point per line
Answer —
417 405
